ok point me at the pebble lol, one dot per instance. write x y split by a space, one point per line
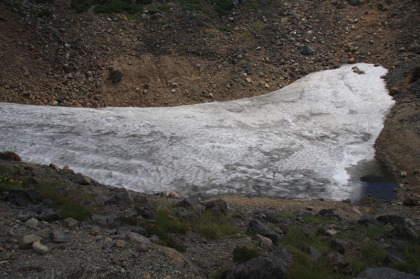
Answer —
39 248
32 223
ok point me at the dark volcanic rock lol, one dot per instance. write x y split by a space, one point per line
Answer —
217 207
368 219
391 219
270 265
43 213
115 75
384 272
329 213
146 211
257 227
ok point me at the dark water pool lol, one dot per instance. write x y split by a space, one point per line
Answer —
377 180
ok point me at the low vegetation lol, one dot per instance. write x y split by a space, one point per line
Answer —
244 253
219 7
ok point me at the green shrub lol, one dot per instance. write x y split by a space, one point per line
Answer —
167 222
244 253
70 202
223 7
214 226
303 267
44 13
118 6
82 5
296 236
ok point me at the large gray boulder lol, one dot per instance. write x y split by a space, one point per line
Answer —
270 265
384 272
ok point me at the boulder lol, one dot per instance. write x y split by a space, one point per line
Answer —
146 211
141 243
384 272
311 251
329 213
368 220
110 221
217 207
25 196
10 155
43 213
403 231
391 219
256 227
190 202
271 265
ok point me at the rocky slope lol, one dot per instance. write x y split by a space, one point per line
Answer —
124 234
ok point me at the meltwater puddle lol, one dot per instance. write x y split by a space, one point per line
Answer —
297 142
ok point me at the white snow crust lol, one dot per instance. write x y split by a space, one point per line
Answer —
296 142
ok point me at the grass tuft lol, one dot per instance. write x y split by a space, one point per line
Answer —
244 253
214 226
167 222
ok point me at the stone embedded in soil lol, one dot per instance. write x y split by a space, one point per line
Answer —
27 240
272 265
32 223
256 227
39 248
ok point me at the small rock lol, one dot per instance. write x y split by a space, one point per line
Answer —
265 242
141 243
338 245
94 231
384 272
307 50
335 259
23 217
154 239
39 248
410 202
249 80
115 75
170 195
27 240
314 253
32 223
58 236
71 223
120 243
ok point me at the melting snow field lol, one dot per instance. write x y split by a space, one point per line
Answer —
296 142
